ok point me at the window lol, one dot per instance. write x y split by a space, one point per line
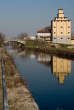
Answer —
54 32
61 32
68 26
61 26
68 38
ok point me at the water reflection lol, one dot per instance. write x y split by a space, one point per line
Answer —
42 72
61 68
44 59
59 109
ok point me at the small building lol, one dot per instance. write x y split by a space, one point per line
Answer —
61 29
32 37
44 34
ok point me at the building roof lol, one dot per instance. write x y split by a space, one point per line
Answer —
57 17
72 38
44 30
60 9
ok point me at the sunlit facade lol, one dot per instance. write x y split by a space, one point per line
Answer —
61 68
61 28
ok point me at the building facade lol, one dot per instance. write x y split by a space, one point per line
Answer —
61 29
44 34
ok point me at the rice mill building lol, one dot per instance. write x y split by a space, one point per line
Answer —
61 29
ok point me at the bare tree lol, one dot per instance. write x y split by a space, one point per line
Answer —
22 35
2 38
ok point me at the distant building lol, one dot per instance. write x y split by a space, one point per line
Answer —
44 34
32 37
61 68
61 29
29 38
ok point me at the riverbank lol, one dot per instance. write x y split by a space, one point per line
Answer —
61 50
1 89
19 97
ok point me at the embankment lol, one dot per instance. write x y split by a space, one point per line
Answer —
19 97
61 50
1 89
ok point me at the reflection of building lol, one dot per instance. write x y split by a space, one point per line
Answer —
61 28
44 59
61 68
44 34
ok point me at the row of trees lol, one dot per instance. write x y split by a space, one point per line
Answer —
22 35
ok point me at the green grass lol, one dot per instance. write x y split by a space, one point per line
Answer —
49 47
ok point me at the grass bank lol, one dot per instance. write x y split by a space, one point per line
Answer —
50 48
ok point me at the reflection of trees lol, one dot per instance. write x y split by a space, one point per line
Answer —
41 57
61 68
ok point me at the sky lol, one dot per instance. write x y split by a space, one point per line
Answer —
29 16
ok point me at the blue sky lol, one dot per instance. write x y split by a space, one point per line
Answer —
30 15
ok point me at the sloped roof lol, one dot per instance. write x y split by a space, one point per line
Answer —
72 38
44 30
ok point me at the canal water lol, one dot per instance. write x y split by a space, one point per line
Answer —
49 78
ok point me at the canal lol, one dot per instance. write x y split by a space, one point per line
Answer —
49 78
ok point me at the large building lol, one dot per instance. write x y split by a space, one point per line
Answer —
61 68
61 29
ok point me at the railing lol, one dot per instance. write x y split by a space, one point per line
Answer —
5 101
